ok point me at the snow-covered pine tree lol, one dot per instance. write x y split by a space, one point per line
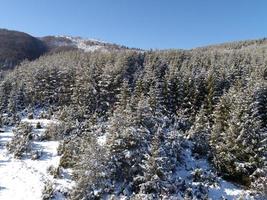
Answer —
127 146
154 166
200 133
124 96
220 127
92 172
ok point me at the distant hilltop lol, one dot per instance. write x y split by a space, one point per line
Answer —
17 46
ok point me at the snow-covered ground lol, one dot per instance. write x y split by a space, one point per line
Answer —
82 44
221 189
25 178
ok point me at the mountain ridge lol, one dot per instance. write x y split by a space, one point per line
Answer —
16 46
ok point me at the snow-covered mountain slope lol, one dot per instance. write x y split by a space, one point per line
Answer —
87 45
25 178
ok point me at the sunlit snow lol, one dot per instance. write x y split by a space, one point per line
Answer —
25 178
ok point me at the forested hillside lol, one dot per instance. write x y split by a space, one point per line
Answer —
129 117
17 46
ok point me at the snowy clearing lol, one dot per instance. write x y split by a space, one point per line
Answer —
25 178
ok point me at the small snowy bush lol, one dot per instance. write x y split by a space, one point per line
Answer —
44 115
21 142
54 132
60 148
48 191
54 171
30 116
38 125
259 181
69 151
35 155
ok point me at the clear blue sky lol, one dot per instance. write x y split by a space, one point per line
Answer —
140 23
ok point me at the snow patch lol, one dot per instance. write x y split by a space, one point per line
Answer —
82 44
220 189
102 140
25 178
43 122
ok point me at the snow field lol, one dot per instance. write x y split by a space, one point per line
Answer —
25 178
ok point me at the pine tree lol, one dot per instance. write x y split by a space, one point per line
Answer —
220 127
200 133
124 96
106 95
154 166
127 145
137 94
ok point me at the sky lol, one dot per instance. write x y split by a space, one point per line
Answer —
155 24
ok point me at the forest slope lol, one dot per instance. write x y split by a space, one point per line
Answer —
128 117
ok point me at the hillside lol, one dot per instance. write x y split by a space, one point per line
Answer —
239 45
58 43
16 46
131 124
